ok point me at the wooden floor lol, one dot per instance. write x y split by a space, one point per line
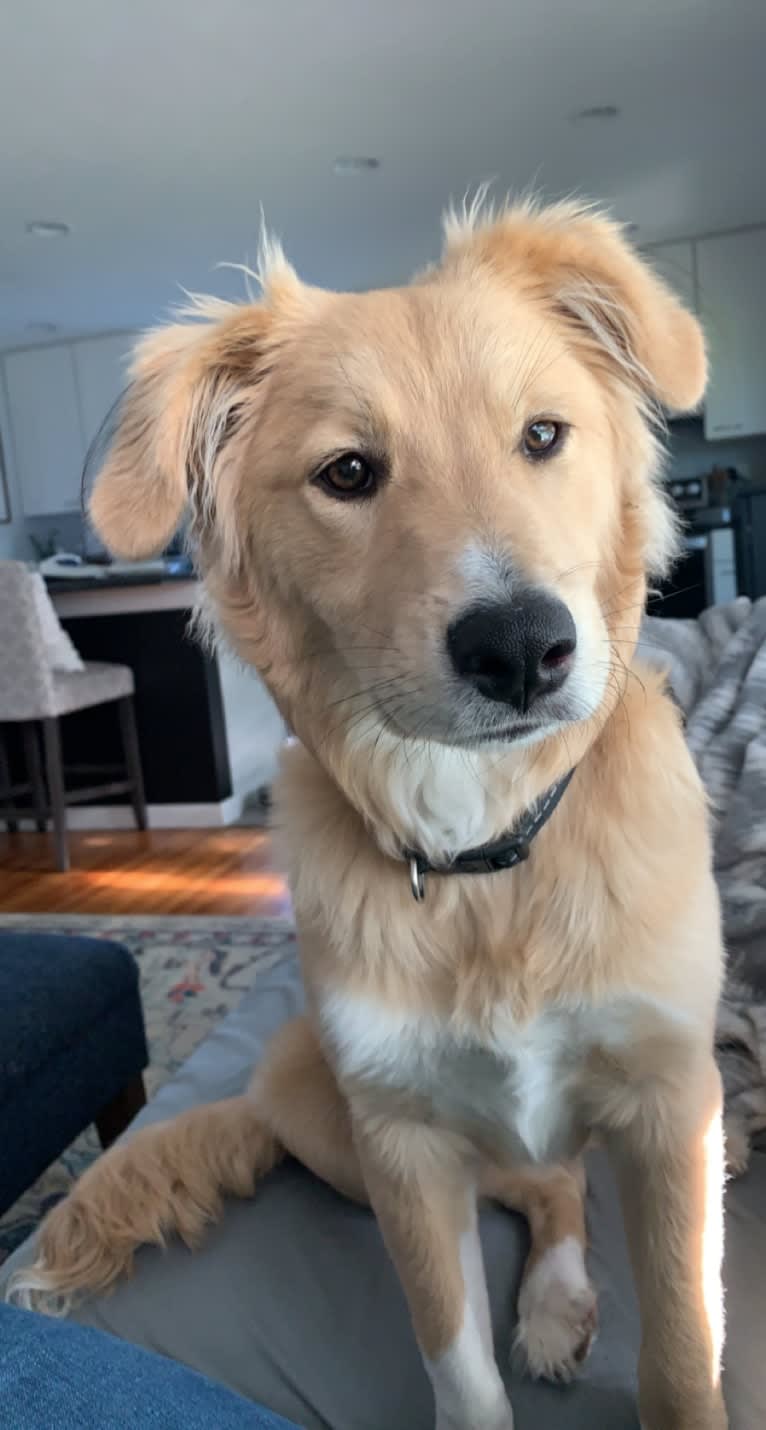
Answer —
169 871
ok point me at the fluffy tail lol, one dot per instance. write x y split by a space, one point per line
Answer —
169 1178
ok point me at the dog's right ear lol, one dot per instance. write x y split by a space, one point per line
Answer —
192 387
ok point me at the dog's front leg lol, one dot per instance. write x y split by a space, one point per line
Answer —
670 1166
424 1195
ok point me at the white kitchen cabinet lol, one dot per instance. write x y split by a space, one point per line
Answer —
732 295
674 262
46 430
101 370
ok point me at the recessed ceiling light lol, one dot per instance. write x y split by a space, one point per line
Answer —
597 111
47 228
42 327
355 164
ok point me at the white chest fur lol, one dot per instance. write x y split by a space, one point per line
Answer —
517 1089
521 1090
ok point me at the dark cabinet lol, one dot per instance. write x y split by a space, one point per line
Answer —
179 708
750 516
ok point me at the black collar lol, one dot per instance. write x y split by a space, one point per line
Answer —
510 849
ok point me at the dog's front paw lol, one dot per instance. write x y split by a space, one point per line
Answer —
558 1313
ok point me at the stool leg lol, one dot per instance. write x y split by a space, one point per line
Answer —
133 759
6 798
35 772
54 769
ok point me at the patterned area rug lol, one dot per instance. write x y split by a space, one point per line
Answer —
193 972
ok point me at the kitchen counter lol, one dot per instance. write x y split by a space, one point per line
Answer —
708 518
208 729
105 595
108 581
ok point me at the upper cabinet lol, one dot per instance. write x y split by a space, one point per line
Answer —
732 299
58 398
101 369
46 430
674 262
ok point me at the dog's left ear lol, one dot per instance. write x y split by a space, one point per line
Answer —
579 262
192 384
196 391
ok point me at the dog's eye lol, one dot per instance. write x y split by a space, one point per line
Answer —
542 437
348 476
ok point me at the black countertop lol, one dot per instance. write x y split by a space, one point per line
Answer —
58 585
708 518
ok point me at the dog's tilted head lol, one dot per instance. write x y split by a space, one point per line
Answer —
425 514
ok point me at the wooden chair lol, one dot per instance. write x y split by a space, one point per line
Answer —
35 696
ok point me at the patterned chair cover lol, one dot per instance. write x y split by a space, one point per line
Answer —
30 688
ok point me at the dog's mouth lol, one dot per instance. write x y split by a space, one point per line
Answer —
454 734
516 734
507 734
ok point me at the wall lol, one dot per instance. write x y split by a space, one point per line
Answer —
68 527
254 727
13 535
689 455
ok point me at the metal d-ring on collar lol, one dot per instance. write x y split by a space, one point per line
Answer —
506 852
417 879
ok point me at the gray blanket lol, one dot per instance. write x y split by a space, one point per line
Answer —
716 669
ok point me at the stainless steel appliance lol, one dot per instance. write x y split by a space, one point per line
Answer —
690 493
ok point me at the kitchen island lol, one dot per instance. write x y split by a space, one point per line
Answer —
208 729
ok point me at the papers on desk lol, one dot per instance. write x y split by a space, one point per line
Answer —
64 568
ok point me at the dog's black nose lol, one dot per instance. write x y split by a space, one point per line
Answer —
517 651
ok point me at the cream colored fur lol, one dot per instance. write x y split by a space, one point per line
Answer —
467 1046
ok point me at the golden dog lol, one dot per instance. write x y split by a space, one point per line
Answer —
427 517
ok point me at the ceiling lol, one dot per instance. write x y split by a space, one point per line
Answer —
158 128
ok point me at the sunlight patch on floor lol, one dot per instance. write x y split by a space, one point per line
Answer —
262 885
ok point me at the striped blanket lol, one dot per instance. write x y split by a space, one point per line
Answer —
716 668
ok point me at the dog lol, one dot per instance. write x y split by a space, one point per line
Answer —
427 516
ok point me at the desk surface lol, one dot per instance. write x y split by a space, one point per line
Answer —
119 596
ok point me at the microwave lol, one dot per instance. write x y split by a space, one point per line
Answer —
690 493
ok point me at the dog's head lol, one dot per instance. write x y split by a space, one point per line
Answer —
426 515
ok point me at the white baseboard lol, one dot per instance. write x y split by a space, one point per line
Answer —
161 816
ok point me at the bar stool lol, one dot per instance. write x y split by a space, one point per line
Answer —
34 696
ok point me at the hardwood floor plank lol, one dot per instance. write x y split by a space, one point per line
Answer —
173 871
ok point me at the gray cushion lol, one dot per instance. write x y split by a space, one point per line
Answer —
98 682
292 1300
